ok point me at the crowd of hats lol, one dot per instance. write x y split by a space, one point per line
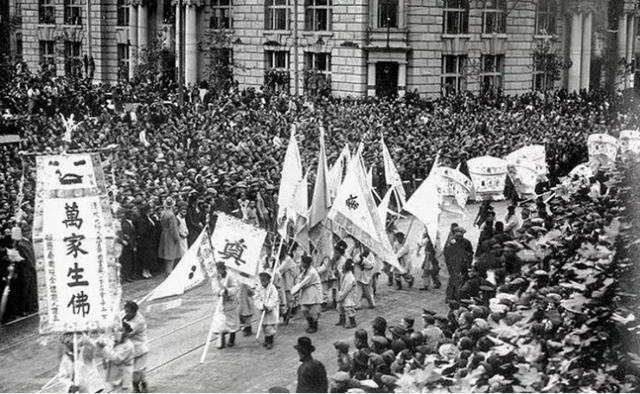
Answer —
235 143
555 324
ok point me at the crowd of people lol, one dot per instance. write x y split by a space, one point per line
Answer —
172 168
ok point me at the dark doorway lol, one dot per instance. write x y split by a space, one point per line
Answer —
386 79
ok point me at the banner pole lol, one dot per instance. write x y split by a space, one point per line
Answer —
75 358
218 306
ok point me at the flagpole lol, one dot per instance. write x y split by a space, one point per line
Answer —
218 306
75 359
275 267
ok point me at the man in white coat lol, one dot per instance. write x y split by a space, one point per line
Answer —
310 289
228 313
136 332
266 302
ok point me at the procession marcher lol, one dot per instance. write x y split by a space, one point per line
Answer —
169 248
118 359
136 331
347 296
310 289
26 273
312 376
330 275
288 271
401 248
267 303
511 221
246 309
363 272
228 317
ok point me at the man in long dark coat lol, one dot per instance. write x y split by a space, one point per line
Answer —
312 376
458 254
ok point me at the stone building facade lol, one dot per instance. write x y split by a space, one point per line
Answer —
361 47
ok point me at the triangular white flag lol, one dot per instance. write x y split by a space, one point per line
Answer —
337 170
391 174
383 207
355 211
425 203
291 176
190 271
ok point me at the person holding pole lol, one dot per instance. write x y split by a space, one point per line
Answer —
310 289
402 253
266 301
228 310
136 330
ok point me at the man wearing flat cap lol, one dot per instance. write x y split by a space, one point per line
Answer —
310 288
267 303
458 254
312 376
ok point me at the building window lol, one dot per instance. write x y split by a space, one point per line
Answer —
46 12
546 12
317 76
491 75
123 61
123 13
277 15
73 59
221 14
18 11
494 17
18 46
72 12
453 74
456 17
317 15
168 12
47 55
543 79
277 71
388 13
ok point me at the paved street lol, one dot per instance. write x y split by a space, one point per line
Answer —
177 336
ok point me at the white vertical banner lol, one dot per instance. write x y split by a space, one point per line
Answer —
78 286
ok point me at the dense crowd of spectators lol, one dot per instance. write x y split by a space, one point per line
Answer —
222 151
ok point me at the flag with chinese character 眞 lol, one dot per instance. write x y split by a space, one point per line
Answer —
238 245
355 211
191 271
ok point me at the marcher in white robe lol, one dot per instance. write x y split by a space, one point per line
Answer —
227 312
266 301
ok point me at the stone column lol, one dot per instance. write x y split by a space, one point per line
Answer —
143 25
402 79
133 38
371 79
585 72
629 56
178 45
575 52
190 46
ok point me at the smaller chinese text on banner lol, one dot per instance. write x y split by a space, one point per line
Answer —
78 281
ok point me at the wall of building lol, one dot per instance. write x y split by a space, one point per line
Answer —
354 42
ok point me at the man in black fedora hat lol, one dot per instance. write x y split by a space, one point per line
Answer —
312 376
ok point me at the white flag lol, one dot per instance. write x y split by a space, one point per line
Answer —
337 170
425 203
383 207
291 176
238 244
391 174
355 211
190 271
